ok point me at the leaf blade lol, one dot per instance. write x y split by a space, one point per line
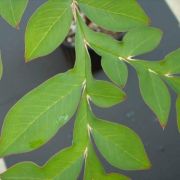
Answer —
65 165
128 150
44 108
154 93
115 69
105 94
47 28
141 40
12 11
107 14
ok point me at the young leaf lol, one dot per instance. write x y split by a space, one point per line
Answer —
24 171
47 28
65 165
154 93
114 15
141 40
94 169
1 67
115 69
171 63
12 11
178 112
105 94
40 113
119 145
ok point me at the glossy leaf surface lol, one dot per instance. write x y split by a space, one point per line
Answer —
47 28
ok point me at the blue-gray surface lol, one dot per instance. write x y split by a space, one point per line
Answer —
163 147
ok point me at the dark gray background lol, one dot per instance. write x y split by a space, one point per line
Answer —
163 147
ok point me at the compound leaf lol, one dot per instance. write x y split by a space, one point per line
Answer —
114 15
47 28
115 69
12 11
119 145
40 113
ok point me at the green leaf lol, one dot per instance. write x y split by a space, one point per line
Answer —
171 63
24 171
154 93
1 67
104 94
114 15
141 40
178 112
174 82
39 114
119 145
81 136
94 169
100 42
47 28
115 69
12 11
65 165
